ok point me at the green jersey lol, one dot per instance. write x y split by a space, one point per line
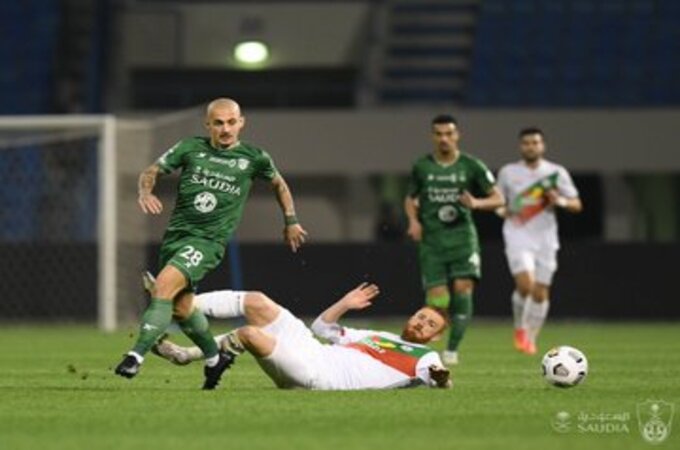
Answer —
214 185
446 222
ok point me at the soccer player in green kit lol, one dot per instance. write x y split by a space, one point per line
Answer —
445 187
216 175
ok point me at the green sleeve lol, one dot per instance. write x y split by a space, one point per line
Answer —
173 158
414 183
484 179
266 170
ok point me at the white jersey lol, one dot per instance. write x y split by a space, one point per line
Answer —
368 359
355 359
532 223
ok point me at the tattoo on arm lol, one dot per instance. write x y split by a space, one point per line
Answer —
283 196
147 179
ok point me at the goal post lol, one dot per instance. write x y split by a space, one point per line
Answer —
73 241
37 133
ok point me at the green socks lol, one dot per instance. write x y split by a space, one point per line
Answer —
440 301
196 328
461 314
155 320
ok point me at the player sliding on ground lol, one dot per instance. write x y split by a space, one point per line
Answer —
290 355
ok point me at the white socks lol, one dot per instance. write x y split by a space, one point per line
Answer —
212 362
533 317
518 303
137 356
221 304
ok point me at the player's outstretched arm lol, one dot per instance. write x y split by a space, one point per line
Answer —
358 298
149 203
326 326
293 233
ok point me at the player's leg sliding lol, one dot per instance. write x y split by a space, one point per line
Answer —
224 304
181 356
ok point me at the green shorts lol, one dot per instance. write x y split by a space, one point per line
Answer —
191 255
440 267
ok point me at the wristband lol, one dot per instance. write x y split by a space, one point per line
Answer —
291 220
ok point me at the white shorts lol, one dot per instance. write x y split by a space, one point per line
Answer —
295 359
541 263
299 360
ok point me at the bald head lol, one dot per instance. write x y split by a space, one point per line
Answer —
224 122
222 103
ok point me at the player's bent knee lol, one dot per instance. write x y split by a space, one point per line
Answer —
181 313
169 283
524 290
258 303
256 341
541 293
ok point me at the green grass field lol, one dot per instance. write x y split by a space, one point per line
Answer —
58 392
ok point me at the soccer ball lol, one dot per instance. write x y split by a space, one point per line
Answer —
564 366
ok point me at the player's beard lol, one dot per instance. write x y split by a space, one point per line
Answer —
411 336
531 158
445 149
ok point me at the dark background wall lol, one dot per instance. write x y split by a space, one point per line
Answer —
601 281
626 281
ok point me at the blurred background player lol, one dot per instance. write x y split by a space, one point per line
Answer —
356 359
217 174
534 188
445 187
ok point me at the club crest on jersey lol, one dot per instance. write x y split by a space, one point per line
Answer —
243 163
447 213
205 202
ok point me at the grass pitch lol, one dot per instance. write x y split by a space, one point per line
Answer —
57 391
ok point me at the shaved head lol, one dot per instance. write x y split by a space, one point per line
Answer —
222 103
224 122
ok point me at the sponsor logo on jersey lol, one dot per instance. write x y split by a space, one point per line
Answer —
240 163
226 162
205 202
442 195
218 185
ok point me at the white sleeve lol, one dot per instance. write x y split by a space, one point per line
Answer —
423 367
336 333
565 185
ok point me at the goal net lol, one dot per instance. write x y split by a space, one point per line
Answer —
58 218
73 241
